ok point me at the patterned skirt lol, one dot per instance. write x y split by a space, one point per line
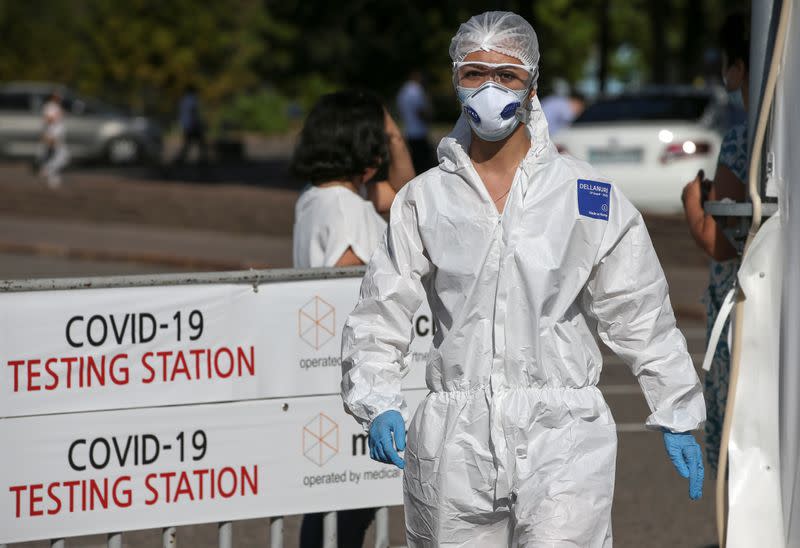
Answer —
721 280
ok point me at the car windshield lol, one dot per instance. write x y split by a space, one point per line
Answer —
629 108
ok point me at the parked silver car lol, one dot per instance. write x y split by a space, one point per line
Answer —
94 130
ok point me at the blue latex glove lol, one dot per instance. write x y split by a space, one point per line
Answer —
688 460
381 444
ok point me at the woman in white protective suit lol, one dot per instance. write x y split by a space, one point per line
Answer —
522 255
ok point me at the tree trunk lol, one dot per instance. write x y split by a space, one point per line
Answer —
605 44
657 10
695 41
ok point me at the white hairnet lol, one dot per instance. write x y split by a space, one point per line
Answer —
500 31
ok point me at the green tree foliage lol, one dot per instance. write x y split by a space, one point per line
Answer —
143 53
572 26
265 111
38 41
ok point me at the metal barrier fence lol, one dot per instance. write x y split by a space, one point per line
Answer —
169 535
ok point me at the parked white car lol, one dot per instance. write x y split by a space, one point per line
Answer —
650 143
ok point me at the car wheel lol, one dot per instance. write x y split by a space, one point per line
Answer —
123 150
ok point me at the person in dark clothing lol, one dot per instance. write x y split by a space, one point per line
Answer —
192 126
350 528
414 108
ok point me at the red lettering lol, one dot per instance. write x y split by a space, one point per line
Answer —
115 492
71 485
252 481
50 498
123 379
227 494
17 490
168 478
127 493
16 364
180 367
183 487
230 362
250 365
53 375
69 362
96 492
148 380
164 354
32 375
197 353
99 371
35 499
53 497
147 480
200 474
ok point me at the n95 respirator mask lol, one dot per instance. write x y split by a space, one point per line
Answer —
493 111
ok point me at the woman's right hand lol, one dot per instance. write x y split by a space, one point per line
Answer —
391 127
692 192
401 169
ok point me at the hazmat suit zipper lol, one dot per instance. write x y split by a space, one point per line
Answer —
497 435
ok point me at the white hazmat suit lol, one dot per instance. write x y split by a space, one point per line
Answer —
515 444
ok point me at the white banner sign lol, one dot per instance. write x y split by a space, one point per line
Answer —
84 350
96 472
133 408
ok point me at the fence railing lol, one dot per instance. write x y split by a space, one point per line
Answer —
169 535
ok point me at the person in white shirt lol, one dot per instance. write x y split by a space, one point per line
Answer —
347 138
348 141
415 111
54 156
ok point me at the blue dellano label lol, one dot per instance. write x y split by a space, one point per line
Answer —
593 199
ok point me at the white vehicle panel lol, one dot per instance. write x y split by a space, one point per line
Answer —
634 156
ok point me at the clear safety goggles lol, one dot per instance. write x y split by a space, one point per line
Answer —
474 74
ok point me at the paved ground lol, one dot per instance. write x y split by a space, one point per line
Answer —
178 248
105 223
